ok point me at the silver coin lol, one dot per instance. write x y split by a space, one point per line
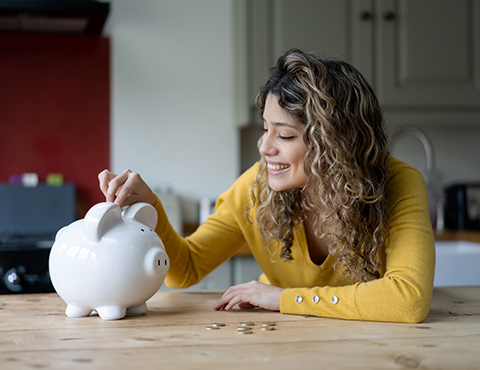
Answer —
244 328
268 323
245 331
218 324
211 327
247 323
267 328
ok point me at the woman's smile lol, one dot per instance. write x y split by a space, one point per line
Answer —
275 168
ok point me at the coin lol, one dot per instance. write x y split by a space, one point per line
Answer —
267 328
218 324
247 324
269 323
244 328
245 331
211 327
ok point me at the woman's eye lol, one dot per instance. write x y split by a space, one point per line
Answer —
281 137
286 137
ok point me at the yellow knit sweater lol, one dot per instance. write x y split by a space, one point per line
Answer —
402 293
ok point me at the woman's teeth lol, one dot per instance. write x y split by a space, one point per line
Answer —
277 167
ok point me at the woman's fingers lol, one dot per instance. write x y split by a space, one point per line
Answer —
104 178
126 188
119 188
248 295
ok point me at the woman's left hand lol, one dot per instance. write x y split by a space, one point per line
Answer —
249 295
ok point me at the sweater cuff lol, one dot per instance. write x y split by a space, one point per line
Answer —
336 302
294 301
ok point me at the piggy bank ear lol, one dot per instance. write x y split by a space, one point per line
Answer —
59 232
143 213
97 219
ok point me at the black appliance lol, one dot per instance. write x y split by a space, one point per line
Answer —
29 220
462 207
75 17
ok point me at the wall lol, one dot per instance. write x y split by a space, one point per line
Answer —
173 98
55 109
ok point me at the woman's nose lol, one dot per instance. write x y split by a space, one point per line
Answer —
267 148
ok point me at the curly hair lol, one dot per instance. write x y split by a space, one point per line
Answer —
346 164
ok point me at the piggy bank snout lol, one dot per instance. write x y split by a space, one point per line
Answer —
156 263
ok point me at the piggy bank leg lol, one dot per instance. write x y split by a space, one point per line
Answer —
111 312
137 310
77 311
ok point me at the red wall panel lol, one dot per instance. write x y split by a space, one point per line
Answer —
55 109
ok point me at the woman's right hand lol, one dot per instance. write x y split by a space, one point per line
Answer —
126 188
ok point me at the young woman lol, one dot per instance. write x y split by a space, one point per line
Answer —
339 228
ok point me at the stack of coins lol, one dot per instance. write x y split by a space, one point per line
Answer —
218 324
245 327
267 326
215 326
244 330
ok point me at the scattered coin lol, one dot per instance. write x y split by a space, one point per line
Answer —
211 327
247 323
218 324
245 331
244 328
267 328
269 323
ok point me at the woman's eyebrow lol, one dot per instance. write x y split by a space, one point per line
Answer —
282 124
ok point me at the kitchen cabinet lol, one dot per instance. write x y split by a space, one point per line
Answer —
421 56
427 53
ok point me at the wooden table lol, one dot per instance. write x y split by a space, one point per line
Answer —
35 333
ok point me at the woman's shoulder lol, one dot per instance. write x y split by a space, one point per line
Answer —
404 178
399 168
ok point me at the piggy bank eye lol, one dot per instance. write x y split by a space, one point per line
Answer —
142 230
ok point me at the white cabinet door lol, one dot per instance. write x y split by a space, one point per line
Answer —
274 26
427 53
312 25
332 28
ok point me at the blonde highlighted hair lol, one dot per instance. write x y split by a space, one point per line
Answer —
346 164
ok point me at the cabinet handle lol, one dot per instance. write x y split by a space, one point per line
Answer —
366 15
389 16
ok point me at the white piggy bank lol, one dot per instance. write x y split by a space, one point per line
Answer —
111 261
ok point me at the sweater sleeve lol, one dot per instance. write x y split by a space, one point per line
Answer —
213 243
403 292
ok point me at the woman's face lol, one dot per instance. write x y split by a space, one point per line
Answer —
283 147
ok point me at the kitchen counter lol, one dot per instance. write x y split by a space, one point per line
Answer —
466 235
35 333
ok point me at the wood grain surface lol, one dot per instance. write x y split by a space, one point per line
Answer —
35 333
